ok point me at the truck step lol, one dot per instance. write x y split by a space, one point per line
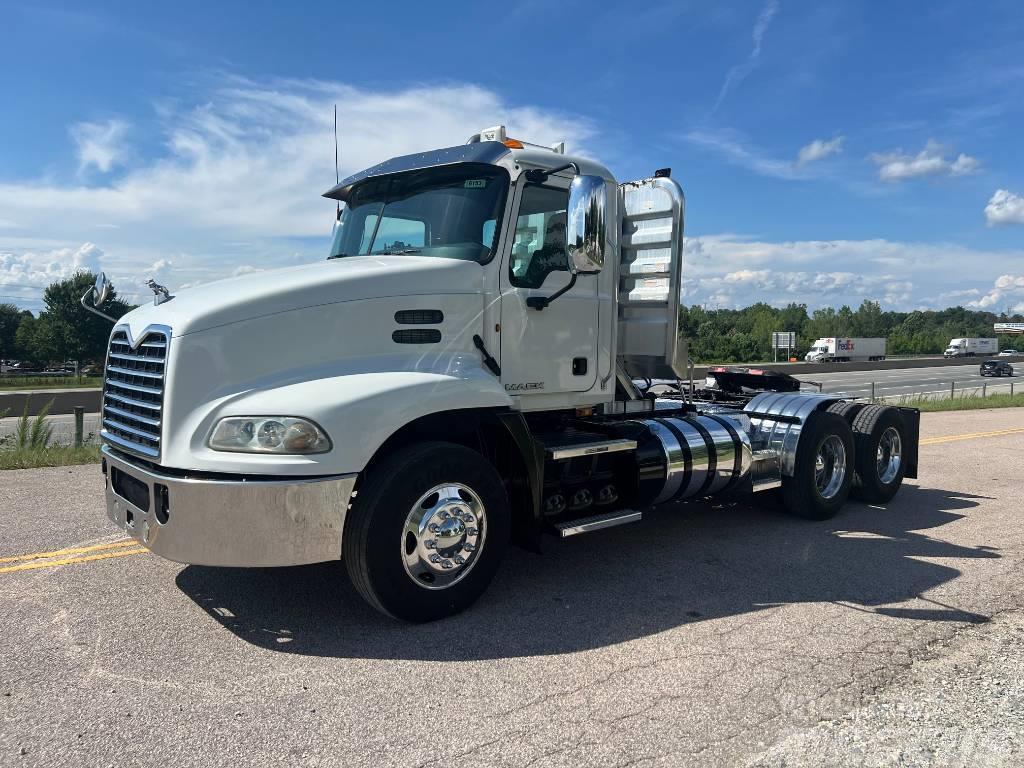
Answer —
590 448
766 470
597 522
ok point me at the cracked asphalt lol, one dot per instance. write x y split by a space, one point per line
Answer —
701 636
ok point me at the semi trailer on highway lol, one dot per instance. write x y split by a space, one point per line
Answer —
843 350
468 368
971 347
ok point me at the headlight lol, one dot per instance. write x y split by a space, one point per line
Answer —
269 434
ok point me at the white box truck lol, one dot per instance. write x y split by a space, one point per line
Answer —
971 347
845 349
458 375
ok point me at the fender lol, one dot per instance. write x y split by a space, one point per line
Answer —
357 411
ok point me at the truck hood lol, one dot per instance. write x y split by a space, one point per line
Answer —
283 290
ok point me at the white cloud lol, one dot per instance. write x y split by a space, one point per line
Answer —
238 189
738 73
248 166
1006 292
964 165
740 153
735 271
23 276
818 149
100 145
930 161
1004 207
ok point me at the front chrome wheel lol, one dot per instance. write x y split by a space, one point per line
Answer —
889 455
830 467
443 536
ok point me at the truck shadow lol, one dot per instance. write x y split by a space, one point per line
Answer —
689 564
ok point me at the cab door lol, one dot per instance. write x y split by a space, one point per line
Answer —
554 349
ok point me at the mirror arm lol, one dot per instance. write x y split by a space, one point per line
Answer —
539 302
539 175
94 310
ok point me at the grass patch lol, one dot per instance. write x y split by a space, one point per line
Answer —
49 382
968 403
29 447
53 456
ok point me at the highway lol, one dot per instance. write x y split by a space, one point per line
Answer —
908 382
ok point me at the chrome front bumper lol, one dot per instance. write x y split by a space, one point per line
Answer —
242 523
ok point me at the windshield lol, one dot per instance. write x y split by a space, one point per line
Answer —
450 212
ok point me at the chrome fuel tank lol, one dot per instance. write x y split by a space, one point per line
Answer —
692 456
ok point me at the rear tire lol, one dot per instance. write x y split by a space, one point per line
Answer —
823 469
427 531
879 434
847 410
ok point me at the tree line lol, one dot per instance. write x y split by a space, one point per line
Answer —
64 329
744 335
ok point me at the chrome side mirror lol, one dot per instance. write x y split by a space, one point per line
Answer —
100 290
586 224
98 294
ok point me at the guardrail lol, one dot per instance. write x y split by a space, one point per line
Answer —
933 391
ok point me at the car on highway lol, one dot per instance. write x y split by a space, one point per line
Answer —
1009 353
996 368
24 367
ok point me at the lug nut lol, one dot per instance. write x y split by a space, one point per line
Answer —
435 558
446 564
430 544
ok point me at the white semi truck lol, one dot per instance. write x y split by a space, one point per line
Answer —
466 370
845 349
971 347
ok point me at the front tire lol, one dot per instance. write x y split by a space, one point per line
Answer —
823 468
427 531
880 434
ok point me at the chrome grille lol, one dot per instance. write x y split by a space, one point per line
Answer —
133 392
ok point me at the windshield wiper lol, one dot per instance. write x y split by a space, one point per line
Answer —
337 256
398 253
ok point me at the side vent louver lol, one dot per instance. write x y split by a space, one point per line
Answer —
419 317
416 336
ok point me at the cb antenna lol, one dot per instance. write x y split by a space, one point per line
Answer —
337 174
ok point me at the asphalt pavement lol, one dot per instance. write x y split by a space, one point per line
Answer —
702 636
910 382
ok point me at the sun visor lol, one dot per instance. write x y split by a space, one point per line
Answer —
479 152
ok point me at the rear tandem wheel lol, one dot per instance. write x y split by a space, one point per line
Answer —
823 468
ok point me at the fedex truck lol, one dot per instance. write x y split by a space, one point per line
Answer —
845 349
465 370
971 347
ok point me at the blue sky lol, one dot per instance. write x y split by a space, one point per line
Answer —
830 151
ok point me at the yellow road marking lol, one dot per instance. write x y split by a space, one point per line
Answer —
68 551
32 565
31 561
970 436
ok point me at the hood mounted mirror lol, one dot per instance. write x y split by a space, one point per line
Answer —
97 296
